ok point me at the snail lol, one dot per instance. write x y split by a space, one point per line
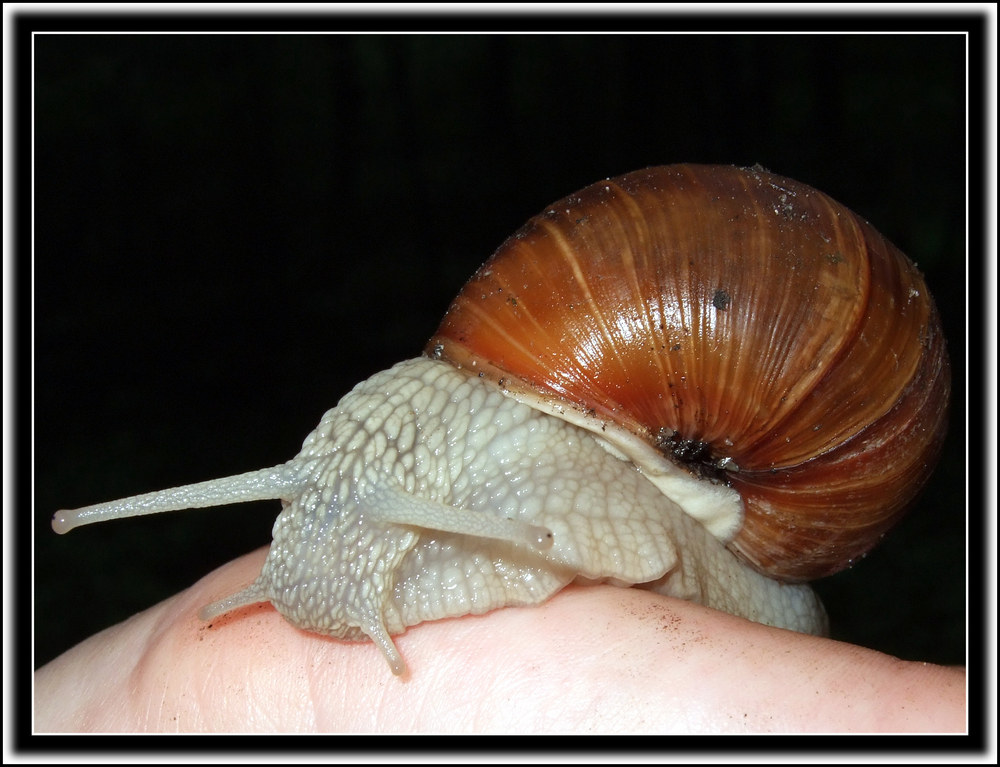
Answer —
709 381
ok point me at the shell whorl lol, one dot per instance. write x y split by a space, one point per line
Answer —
744 324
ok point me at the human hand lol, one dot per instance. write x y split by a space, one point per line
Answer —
591 659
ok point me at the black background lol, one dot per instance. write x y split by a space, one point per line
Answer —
233 230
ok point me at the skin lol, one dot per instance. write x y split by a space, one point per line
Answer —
591 659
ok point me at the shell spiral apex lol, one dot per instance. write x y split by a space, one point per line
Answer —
747 326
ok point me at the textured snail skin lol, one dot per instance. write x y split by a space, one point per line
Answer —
358 551
605 402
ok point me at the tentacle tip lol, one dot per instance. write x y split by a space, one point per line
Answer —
542 537
392 655
397 665
63 521
377 633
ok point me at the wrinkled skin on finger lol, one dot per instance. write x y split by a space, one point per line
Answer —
591 659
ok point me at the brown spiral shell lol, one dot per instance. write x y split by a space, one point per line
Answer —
728 313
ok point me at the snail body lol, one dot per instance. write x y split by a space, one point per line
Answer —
711 381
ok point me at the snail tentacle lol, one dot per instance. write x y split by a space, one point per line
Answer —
252 594
269 484
390 505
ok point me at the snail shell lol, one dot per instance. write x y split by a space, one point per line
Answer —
707 380
732 319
